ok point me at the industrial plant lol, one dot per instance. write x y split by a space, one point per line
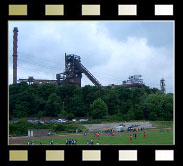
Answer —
73 72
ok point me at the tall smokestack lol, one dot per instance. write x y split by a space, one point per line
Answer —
15 55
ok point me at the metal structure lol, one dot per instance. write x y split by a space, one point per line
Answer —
73 72
15 55
31 80
134 81
162 85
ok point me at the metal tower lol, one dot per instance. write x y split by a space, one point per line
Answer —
162 85
73 72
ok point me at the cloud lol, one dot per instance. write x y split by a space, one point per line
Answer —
110 59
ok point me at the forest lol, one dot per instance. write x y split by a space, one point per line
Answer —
120 103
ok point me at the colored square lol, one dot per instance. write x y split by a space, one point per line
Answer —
127 155
18 155
90 9
91 155
17 10
54 10
127 10
54 155
163 10
164 155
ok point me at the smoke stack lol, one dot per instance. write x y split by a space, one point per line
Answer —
15 40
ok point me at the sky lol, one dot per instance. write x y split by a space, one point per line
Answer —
111 50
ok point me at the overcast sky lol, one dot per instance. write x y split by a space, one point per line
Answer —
112 51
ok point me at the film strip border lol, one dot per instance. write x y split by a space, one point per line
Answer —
93 156
87 8
91 10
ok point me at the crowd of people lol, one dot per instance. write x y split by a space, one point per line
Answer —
74 142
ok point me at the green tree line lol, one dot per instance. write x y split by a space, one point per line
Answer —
118 103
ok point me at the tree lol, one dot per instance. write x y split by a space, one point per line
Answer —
139 115
98 108
131 114
53 105
111 98
70 116
20 111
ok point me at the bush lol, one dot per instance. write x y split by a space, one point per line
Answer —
70 116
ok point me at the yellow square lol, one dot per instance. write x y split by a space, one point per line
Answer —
18 155
90 9
127 9
55 155
54 10
17 10
127 155
91 155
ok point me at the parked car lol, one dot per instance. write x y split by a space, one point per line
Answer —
83 120
40 121
61 121
53 121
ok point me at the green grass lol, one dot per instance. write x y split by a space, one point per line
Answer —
163 124
152 138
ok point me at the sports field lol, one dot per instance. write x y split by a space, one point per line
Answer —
152 138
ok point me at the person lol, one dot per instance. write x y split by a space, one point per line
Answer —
66 141
52 142
144 134
91 142
72 142
97 143
28 143
135 135
97 134
113 134
130 138
87 142
85 134
75 142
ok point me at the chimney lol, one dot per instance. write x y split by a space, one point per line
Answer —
15 40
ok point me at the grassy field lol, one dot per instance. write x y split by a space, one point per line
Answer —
152 138
163 124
